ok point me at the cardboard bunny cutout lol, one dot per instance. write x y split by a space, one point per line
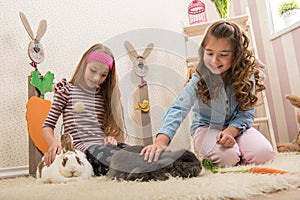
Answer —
37 107
35 48
140 67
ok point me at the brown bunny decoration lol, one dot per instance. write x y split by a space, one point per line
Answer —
295 145
141 69
295 101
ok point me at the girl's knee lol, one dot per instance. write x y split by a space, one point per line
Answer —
255 148
228 157
259 157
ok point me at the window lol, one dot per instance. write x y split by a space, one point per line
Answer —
279 22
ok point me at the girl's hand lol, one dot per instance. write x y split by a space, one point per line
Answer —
54 149
153 151
110 140
225 139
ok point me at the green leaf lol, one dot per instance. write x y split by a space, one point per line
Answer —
47 83
237 171
35 80
43 84
208 165
222 7
287 6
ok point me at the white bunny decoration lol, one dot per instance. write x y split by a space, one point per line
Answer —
141 68
35 48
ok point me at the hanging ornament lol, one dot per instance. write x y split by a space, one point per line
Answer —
197 13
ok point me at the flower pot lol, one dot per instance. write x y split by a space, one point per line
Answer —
291 17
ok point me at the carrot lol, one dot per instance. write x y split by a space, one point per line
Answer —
264 170
38 108
208 165
37 111
258 170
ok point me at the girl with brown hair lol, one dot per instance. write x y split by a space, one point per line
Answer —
222 94
91 108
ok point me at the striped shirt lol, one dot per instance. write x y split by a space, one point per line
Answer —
85 126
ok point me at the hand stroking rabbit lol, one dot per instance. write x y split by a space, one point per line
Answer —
69 166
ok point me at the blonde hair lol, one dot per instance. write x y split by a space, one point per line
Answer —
114 120
244 66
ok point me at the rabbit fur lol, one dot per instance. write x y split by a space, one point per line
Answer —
128 165
69 166
290 147
295 145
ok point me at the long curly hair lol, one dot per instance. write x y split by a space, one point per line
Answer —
240 75
114 119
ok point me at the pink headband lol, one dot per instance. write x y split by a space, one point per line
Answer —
100 57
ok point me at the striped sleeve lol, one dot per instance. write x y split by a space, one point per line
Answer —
58 104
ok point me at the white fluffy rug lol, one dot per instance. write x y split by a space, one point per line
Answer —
206 186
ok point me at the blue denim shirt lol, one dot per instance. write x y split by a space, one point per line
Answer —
221 113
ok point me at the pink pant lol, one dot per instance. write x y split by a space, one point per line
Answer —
251 148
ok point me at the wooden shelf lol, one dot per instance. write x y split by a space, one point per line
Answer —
192 60
199 29
261 119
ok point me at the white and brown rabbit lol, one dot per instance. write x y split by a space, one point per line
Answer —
69 166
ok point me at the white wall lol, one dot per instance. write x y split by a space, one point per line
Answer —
73 26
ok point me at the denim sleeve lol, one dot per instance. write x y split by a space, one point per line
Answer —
176 113
243 120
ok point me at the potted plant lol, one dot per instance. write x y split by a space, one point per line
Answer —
223 7
289 11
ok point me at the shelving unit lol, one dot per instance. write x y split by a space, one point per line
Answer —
198 30
262 112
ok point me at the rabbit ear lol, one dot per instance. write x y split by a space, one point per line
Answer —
66 141
148 50
41 30
26 25
294 100
131 49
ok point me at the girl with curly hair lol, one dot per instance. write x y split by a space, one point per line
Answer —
222 94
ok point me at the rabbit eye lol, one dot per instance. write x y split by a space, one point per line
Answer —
64 161
78 160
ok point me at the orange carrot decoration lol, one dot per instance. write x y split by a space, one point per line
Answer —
37 111
264 170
